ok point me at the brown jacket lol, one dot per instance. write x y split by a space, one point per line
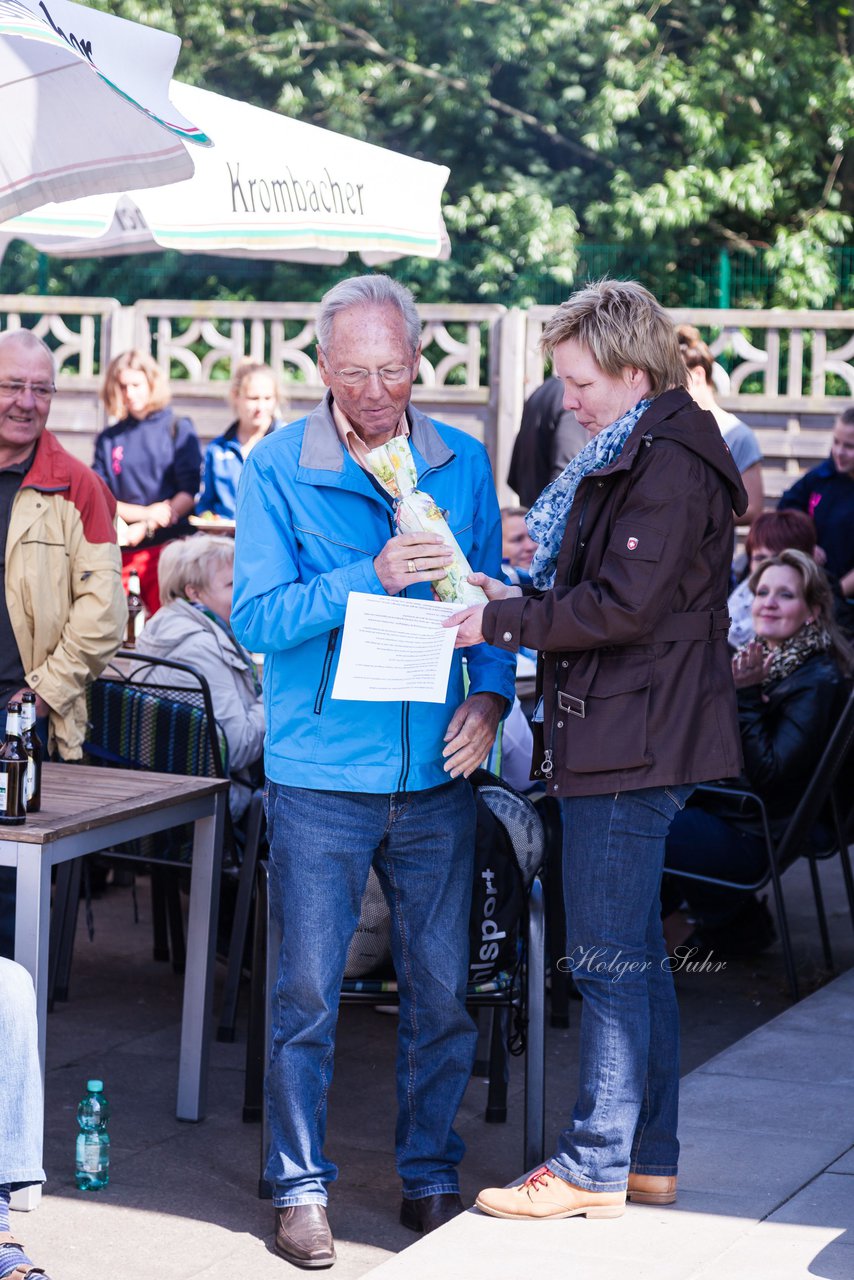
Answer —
64 586
634 666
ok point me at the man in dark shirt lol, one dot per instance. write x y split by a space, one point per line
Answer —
549 437
11 667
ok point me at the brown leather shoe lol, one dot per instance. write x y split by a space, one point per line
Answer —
303 1236
544 1195
649 1188
430 1212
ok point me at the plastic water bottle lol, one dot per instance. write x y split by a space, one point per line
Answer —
93 1141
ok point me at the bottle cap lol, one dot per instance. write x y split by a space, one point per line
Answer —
29 696
95 1086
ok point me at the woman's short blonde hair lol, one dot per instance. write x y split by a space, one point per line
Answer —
159 394
622 326
191 562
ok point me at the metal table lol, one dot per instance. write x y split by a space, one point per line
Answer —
84 810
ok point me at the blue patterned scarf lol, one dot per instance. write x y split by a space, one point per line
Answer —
547 518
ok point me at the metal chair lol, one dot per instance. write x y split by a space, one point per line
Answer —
821 827
512 998
141 719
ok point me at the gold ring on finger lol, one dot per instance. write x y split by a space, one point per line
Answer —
410 566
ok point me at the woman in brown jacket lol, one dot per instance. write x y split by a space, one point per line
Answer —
629 615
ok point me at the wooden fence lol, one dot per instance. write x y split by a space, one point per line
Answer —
786 373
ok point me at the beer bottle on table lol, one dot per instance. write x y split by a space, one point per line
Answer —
136 610
13 769
33 748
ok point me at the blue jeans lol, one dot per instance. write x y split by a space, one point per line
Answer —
20 1079
626 1113
322 845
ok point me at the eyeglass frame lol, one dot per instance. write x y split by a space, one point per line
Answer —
10 389
346 375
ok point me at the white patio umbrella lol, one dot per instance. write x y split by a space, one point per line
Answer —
270 186
84 105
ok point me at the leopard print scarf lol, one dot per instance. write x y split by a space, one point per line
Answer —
793 653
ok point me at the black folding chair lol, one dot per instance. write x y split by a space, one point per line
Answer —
821 827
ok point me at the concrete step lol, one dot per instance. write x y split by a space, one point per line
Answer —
766 1186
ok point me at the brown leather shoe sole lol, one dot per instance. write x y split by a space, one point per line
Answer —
307 1264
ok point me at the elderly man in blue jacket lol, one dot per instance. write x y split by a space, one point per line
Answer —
355 784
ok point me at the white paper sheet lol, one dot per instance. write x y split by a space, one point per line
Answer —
394 650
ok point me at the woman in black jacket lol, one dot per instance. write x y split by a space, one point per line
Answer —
791 683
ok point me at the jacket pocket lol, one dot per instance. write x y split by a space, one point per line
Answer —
608 729
631 560
326 670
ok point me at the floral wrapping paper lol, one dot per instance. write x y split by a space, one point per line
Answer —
416 512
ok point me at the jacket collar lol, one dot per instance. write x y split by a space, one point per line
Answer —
50 471
662 407
665 419
322 449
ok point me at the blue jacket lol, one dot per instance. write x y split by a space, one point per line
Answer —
828 496
222 471
309 525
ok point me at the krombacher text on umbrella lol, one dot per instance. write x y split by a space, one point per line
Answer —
290 195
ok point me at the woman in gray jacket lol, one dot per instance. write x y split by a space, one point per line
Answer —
196 582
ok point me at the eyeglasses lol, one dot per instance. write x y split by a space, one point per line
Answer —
392 376
40 390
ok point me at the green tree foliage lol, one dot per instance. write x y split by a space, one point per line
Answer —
672 124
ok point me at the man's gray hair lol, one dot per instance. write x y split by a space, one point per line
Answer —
367 291
30 341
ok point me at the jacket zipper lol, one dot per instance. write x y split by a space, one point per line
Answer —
404 738
547 767
404 706
327 667
405 753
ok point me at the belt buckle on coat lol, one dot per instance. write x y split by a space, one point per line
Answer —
574 706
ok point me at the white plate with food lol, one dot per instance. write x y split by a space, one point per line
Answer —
213 524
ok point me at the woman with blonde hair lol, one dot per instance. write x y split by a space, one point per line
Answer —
791 682
255 399
628 614
150 460
739 438
196 581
